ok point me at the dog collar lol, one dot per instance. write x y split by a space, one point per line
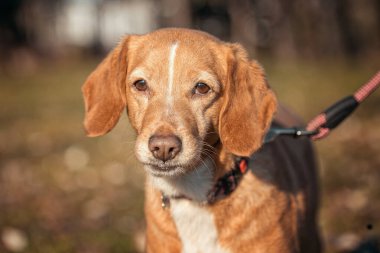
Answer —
222 188
229 181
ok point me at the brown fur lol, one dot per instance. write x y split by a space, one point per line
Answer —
274 207
245 115
104 92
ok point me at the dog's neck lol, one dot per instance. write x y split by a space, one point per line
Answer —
196 184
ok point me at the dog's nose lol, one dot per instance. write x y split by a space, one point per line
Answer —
164 147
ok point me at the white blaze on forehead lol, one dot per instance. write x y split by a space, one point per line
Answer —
172 55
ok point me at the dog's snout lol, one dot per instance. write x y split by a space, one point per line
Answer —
166 147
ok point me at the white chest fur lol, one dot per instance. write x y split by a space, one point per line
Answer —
195 224
196 227
194 185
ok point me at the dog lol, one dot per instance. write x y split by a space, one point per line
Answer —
201 110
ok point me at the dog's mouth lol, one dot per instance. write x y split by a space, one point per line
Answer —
183 162
163 169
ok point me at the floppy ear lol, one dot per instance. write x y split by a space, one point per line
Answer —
104 92
248 105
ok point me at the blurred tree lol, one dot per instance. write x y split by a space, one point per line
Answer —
275 28
244 24
359 26
12 32
212 16
175 13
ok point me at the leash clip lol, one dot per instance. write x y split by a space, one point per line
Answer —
292 131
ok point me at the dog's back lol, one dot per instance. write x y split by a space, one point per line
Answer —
288 165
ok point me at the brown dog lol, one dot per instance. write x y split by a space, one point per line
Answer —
199 106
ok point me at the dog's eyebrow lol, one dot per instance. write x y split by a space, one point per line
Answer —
208 77
204 75
137 73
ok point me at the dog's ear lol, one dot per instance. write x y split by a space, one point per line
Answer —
248 104
104 92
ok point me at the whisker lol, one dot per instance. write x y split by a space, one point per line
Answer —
211 152
208 169
211 158
210 149
208 133
196 171
207 144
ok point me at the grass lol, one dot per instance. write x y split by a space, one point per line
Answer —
63 192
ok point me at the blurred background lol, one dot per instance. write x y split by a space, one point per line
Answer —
63 192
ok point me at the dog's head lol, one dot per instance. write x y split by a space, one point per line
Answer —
183 90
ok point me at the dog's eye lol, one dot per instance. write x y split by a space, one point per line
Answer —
141 85
201 88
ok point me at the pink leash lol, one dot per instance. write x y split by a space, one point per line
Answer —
323 123
335 114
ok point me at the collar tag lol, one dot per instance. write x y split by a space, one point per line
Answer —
165 201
